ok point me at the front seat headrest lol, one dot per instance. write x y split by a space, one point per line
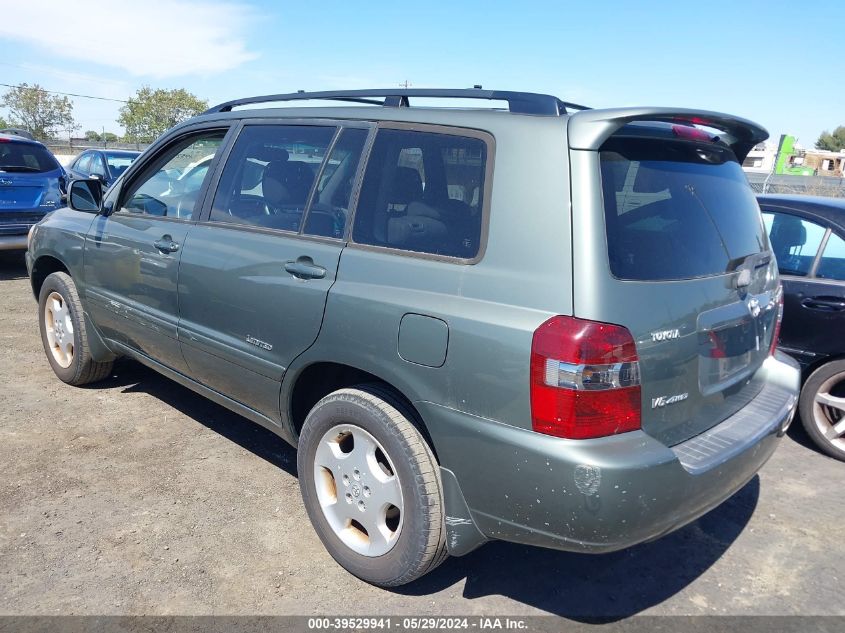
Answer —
787 232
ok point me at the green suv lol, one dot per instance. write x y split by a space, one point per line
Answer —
540 323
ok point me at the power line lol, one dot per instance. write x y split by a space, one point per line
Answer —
69 94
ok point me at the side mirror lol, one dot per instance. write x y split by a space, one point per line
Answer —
86 195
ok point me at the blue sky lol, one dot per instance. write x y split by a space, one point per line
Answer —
778 63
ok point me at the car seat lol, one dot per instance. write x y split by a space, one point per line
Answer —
788 236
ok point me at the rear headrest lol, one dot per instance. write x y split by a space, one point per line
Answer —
406 186
268 153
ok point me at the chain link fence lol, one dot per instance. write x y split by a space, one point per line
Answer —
65 150
74 145
826 186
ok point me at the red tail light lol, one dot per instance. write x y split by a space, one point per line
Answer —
692 133
585 379
778 321
717 345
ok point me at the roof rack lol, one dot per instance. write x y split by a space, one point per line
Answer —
518 102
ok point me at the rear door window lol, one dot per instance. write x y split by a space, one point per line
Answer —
423 192
676 209
330 207
269 175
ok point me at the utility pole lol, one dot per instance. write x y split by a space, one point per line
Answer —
405 84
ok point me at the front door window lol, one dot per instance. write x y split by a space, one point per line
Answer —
170 187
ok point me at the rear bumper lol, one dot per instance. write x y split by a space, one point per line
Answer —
610 493
15 227
13 242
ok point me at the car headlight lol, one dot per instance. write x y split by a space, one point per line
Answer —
30 235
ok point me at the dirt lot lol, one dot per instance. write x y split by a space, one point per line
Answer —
139 497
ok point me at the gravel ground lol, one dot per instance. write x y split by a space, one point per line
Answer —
137 496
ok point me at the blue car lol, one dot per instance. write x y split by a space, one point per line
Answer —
104 165
32 183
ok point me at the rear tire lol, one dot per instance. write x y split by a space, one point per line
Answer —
822 408
371 486
64 335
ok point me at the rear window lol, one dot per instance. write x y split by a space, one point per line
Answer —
676 209
24 157
423 192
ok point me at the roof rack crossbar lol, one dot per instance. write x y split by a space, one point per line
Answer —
518 102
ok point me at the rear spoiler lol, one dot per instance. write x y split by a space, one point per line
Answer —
589 129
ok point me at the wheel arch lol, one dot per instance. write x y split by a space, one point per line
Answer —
320 378
42 267
818 364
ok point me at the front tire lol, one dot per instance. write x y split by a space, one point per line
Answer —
822 408
64 335
371 486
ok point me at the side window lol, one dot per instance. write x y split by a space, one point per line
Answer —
83 164
794 241
171 186
832 262
423 192
97 166
330 209
269 175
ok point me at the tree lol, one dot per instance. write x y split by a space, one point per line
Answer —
38 111
96 137
832 142
150 112
3 123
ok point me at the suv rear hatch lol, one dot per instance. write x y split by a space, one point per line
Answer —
30 179
676 252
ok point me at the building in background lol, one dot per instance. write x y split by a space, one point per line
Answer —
788 158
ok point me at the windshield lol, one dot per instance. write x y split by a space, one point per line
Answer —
118 163
26 157
676 209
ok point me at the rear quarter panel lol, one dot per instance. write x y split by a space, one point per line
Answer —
491 307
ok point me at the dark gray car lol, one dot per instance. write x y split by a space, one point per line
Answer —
106 165
548 325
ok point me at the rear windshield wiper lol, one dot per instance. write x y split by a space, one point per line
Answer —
11 168
753 260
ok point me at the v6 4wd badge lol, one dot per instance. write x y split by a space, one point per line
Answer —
662 401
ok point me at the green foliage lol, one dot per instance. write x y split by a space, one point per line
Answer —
832 142
36 110
93 136
150 112
3 123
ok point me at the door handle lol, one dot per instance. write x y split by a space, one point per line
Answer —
166 244
825 304
305 268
